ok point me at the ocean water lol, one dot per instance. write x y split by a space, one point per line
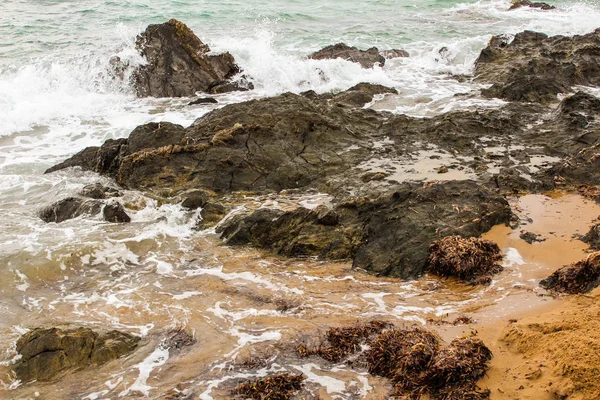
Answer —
57 97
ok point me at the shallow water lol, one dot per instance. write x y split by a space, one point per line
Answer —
158 273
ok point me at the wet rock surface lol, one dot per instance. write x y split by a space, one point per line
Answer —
535 67
46 353
69 208
366 58
396 183
179 64
386 236
99 192
115 212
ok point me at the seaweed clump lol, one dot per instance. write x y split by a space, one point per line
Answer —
276 387
418 365
470 259
344 341
579 277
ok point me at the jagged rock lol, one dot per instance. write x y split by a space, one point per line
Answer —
535 67
394 53
69 208
179 64
203 100
527 3
366 58
99 192
46 353
114 212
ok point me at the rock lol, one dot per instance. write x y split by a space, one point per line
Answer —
47 353
593 237
361 94
241 85
179 64
580 277
530 237
195 199
366 58
114 212
388 236
527 3
98 159
69 208
294 233
99 192
527 88
535 67
394 53
211 215
203 100
178 339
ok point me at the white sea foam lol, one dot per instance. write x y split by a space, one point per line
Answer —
158 357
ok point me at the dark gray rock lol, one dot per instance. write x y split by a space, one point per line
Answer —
535 67
389 236
527 3
99 192
69 208
179 64
195 199
114 212
366 58
203 100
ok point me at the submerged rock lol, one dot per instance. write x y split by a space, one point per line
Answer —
531 237
366 58
115 212
69 208
179 64
535 67
394 53
46 353
580 277
203 100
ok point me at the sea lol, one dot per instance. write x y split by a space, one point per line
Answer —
159 273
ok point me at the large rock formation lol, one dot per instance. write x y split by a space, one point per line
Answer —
46 353
535 67
366 58
387 236
179 64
